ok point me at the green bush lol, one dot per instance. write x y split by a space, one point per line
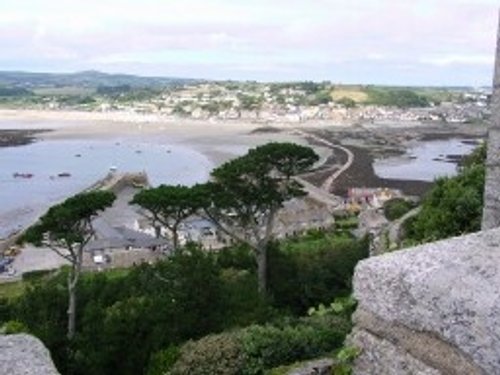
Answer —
347 102
215 354
12 327
307 273
270 346
162 361
252 350
36 275
453 207
397 207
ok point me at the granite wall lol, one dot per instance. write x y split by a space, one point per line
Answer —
432 309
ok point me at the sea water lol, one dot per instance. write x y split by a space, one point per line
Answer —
425 161
23 199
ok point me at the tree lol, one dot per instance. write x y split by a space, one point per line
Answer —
454 206
66 229
250 103
169 206
247 192
347 102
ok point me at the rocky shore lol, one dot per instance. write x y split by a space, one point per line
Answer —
16 137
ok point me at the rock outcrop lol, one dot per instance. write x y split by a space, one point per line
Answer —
24 355
433 309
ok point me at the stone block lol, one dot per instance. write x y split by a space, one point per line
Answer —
449 290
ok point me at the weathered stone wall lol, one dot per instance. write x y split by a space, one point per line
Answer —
433 309
24 355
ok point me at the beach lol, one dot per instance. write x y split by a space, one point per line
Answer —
218 140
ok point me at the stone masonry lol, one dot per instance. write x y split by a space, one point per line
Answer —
433 309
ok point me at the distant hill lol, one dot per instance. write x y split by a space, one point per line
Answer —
89 79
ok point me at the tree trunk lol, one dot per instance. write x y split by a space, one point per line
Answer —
73 276
261 255
175 237
71 306
157 230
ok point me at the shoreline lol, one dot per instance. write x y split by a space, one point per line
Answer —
210 138
219 141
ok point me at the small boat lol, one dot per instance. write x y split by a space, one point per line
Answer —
22 175
64 174
113 168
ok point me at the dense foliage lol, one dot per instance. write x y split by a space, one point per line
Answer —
252 350
14 91
454 206
134 320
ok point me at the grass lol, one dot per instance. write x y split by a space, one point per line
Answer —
317 241
356 94
116 273
12 290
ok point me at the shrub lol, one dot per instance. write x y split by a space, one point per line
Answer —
257 348
12 327
270 346
215 354
453 207
397 207
308 273
36 275
161 362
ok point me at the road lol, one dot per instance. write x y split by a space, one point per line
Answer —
322 193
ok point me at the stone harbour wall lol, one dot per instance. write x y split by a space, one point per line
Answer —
432 309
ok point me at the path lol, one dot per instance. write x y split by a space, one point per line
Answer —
394 228
322 193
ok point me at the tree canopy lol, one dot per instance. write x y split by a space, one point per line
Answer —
454 206
69 222
66 228
169 206
247 192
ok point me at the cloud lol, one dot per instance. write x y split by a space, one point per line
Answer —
282 39
447 60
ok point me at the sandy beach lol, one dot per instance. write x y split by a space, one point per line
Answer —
218 140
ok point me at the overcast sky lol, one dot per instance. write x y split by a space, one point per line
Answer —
408 42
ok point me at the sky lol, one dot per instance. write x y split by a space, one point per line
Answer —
396 42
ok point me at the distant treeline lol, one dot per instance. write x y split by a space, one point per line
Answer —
15 91
402 98
91 79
